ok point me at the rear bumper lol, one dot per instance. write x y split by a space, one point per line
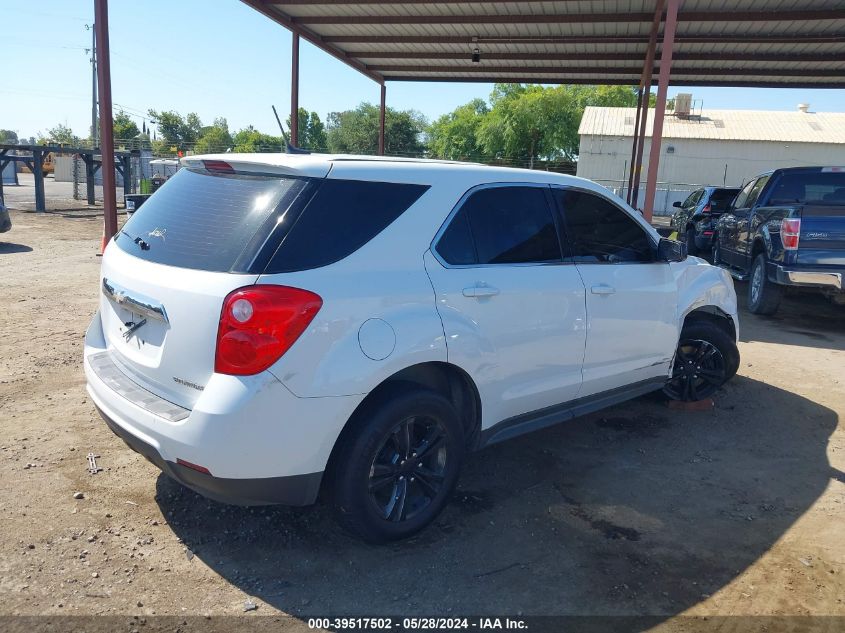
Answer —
293 490
259 443
808 278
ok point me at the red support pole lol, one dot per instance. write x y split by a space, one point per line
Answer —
101 24
660 106
381 121
294 90
645 84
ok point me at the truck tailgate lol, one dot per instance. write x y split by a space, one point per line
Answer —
822 240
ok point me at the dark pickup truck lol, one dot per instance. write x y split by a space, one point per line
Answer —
786 228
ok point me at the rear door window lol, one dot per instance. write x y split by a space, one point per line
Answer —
755 191
342 216
207 221
502 225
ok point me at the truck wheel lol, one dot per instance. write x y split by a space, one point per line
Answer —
763 295
706 358
715 251
397 464
691 247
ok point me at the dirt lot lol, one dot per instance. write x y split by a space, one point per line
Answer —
638 510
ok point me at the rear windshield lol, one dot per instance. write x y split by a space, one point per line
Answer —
823 188
207 222
721 198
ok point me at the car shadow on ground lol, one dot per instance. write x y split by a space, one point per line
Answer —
637 510
10 247
805 319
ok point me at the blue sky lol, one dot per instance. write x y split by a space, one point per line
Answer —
221 58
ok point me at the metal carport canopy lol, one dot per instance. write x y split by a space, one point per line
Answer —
772 43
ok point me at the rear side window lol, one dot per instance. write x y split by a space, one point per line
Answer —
506 225
342 216
601 232
207 222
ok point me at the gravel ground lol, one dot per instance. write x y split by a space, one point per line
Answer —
637 510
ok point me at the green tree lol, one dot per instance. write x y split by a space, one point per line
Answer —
312 132
530 122
8 137
59 135
125 128
251 140
214 138
356 131
455 135
176 130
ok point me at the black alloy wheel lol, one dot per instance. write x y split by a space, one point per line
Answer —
408 471
396 464
700 369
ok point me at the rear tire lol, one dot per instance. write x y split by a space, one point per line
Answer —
397 464
763 295
706 358
715 251
692 249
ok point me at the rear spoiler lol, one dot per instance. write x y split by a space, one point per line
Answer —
296 165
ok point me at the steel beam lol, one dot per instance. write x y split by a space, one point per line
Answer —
575 18
576 56
294 90
381 120
737 38
101 23
660 105
617 81
597 72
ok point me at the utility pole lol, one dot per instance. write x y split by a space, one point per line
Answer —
93 51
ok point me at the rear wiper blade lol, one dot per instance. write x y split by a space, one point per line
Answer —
145 246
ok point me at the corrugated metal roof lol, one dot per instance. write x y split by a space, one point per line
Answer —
718 42
723 125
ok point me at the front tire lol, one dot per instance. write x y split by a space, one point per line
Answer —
706 358
397 464
763 295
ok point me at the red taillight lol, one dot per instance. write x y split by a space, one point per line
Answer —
790 230
260 323
218 166
706 208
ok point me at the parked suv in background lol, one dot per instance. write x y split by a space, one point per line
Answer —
270 325
786 229
696 216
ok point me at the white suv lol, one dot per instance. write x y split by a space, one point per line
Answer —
275 325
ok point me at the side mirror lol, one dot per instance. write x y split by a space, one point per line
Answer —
677 204
671 251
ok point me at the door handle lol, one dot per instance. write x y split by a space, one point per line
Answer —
478 291
603 289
